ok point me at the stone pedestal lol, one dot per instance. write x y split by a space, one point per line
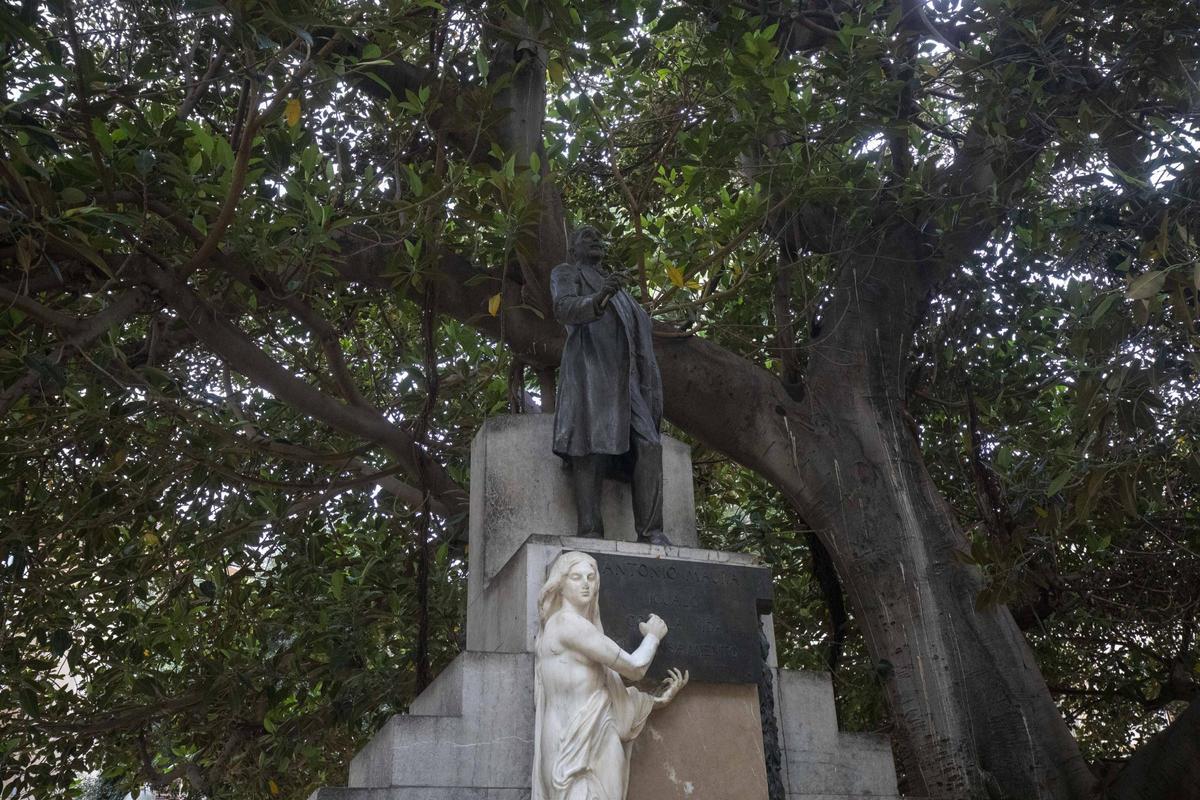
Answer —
525 490
706 745
469 736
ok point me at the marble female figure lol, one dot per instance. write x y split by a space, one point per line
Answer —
586 718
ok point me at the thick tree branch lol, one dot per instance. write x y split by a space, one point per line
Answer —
243 355
457 110
84 332
1167 767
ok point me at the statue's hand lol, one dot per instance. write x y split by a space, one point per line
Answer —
676 680
654 626
611 285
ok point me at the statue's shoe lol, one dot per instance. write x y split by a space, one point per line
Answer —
655 537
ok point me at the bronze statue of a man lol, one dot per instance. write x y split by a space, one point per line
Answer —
610 394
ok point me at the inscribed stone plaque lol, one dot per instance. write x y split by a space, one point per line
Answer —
711 611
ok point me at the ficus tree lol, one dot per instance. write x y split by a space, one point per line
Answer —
925 284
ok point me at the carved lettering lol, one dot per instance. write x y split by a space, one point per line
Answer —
711 610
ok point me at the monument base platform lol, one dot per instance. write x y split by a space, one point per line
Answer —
418 793
470 734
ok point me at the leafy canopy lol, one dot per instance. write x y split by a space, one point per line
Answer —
205 580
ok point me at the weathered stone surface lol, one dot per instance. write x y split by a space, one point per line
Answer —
712 611
520 488
418 793
706 745
852 768
490 745
807 717
821 762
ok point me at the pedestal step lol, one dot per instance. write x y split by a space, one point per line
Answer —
821 762
473 727
419 793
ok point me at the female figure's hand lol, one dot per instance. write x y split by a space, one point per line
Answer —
653 626
676 680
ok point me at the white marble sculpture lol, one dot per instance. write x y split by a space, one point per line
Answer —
586 718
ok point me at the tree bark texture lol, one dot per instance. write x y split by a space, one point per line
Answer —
973 713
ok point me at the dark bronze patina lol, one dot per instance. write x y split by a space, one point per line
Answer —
610 395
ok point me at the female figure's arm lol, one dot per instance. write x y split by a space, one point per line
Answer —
581 636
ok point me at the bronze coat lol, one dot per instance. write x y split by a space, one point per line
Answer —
608 381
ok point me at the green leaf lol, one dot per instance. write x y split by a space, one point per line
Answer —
1146 285
482 63
60 641
72 196
1060 481
144 162
670 18
103 137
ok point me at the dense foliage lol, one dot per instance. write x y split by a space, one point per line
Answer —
231 455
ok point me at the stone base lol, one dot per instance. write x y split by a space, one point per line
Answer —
706 745
820 762
472 727
520 488
469 736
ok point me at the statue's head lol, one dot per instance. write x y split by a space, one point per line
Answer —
575 573
588 245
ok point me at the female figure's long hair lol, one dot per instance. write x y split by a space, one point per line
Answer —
550 597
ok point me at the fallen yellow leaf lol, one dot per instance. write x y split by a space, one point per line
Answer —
273 786
291 112
494 304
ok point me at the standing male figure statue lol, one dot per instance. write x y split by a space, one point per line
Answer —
610 393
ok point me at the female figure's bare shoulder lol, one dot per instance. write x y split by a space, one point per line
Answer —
566 623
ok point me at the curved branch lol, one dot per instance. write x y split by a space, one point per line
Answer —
1168 766
83 333
243 355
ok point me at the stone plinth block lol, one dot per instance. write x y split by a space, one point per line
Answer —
520 488
706 745
820 762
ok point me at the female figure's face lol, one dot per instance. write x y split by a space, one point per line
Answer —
580 584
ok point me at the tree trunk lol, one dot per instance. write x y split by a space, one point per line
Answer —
973 714
972 710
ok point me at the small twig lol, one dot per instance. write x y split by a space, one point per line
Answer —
201 86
